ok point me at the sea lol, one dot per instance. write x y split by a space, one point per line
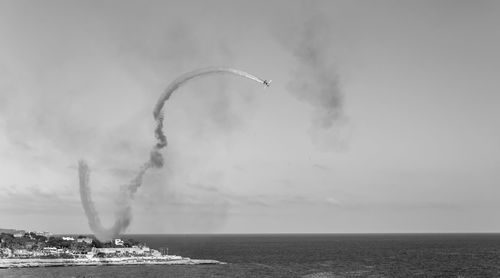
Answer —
307 256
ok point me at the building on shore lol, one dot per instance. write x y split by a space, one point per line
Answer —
21 252
19 234
50 250
125 251
45 234
87 240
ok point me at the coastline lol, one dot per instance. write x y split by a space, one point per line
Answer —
166 260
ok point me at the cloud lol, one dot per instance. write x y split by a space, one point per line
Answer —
91 85
79 81
190 209
33 199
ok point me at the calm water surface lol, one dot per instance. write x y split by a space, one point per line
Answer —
309 256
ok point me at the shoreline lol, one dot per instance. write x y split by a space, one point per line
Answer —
20 263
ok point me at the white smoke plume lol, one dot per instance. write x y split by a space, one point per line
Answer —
124 211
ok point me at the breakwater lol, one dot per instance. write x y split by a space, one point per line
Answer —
164 260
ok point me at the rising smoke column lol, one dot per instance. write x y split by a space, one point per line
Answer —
123 214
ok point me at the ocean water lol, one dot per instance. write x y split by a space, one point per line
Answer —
308 256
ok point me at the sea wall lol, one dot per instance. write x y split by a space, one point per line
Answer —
166 260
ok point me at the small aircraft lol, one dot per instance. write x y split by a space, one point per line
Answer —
267 82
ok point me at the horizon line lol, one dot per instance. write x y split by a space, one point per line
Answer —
286 233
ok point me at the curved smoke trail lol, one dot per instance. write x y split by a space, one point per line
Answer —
123 213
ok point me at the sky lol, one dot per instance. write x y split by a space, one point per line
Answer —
382 115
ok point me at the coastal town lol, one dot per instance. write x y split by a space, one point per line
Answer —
19 248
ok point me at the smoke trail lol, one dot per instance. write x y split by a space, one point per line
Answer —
157 112
123 213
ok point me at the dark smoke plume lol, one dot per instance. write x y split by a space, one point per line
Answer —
315 80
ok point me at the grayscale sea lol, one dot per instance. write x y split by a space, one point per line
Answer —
309 256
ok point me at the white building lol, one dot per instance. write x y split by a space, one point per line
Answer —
50 250
19 234
155 253
67 238
87 240
45 234
21 252
118 242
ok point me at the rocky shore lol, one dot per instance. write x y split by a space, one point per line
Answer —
164 260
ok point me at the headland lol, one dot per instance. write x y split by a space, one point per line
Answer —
19 248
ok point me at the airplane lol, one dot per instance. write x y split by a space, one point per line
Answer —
267 82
